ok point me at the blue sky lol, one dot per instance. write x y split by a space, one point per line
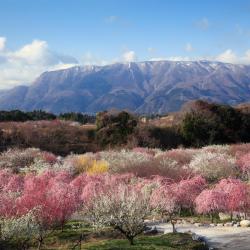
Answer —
47 34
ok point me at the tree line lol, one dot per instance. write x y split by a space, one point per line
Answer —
200 123
38 115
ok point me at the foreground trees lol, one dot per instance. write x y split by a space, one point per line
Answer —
229 195
165 201
211 202
32 205
124 208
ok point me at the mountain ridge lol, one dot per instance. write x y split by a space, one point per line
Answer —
142 87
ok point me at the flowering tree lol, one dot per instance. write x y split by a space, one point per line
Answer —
124 208
51 197
237 195
62 201
165 200
22 229
244 164
211 201
188 189
18 158
121 161
214 166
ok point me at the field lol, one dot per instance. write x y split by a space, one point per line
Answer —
106 198
111 240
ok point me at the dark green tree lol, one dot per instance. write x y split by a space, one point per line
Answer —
113 128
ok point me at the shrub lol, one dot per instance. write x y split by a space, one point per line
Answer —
238 150
87 163
121 161
98 167
181 155
214 166
219 149
18 158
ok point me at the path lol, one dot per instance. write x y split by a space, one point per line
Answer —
230 238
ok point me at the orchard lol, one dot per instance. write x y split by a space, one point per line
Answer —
41 193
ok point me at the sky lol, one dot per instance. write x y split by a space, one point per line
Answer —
41 35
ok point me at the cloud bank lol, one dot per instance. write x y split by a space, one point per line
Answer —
25 64
227 56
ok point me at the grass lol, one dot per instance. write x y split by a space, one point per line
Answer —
162 242
108 239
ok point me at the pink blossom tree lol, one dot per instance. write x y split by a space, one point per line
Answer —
244 164
211 201
187 190
62 202
237 195
52 199
165 201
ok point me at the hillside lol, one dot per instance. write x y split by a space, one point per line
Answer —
143 87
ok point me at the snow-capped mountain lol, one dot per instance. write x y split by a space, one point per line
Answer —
143 87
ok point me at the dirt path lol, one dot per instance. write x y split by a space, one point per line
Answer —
230 238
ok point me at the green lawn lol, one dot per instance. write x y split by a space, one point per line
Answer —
163 242
111 240
108 239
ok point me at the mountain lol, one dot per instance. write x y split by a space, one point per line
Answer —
143 87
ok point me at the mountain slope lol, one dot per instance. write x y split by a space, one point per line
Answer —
144 87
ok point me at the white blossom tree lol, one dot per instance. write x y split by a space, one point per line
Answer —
124 208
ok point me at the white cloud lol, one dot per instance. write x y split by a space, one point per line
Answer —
2 43
90 59
25 64
158 59
203 24
189 47
111 19
246 57
179 58
227 56
171 58
151 49
22 66
129 56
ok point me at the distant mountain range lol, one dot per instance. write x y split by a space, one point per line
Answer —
143 87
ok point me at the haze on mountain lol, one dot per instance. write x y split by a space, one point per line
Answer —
142 87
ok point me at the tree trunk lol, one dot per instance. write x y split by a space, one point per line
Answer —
62 226
131 240
191 211
40 242
212 218
173 225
